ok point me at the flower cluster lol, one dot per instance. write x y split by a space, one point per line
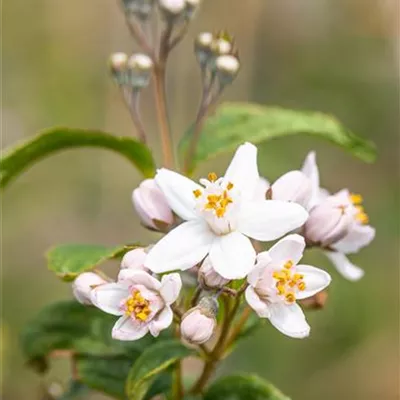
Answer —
214 230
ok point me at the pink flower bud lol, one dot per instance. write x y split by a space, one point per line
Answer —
152 207
328 223
209 278
294 186
84 284
199 323
134 259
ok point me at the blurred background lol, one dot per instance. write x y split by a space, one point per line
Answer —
335 56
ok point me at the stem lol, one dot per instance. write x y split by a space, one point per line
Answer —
132 98
196 296
177 387
238 327
177 39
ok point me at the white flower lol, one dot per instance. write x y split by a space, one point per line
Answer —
221 216
208 277
141 301
134 259
278 281
84 284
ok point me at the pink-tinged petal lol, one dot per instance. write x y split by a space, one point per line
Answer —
315 280
108 297
232 255
291 248
162 321
135 277
243 170
171 285
358 237
182 248
178 191
289 319
310 169
344 266
128 329
254 301
256 273
270 219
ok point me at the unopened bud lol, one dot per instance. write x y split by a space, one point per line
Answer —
118 67
140 8
139 70
293 186
171 9
227 67
202 47
209 278
199 323
134 259
328 223
84 284
152 207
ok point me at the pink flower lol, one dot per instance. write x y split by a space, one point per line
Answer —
84 284
141 301
134 259
209 278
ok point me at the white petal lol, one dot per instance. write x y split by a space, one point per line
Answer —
291 247
178 191
270 219
344 266
232 255
182 248
315 279
108 297
310 169
127 329
256 303
171 285
261 190
135 277
358 237
243 170
289 319
262 260
161 322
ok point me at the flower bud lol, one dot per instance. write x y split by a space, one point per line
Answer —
140 8
118 66
199 323
84 284
293 186
134 259
171 9
139 70
209 278
152 207
328 223
202 47
227 67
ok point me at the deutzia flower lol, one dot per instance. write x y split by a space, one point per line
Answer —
141 301
222 215
277 281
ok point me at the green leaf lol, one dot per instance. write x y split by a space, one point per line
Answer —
51 141
235 123
243 387
70 260
153 361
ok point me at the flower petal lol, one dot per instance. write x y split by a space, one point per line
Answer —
262 260
232 255
358 237
171 285
128 329
243 170
270 219
315 279
310 169
161 322
262 187
291 248
135 277
178 191
344 266
182 248
108 297
289 319
254 301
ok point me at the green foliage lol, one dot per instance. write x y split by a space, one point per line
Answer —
51 141
70 260
75 391
243 387
153 361
235 123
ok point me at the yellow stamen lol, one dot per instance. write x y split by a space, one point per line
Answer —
288 264
229 186
356 198
301 285
212 177
138 306
220 212
290 297
362 217
197 193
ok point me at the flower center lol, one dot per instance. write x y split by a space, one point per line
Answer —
214 198
288 282
361 216
137 306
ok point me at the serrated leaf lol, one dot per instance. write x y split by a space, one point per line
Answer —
70 260
235 123
152 362
243 387
51 141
